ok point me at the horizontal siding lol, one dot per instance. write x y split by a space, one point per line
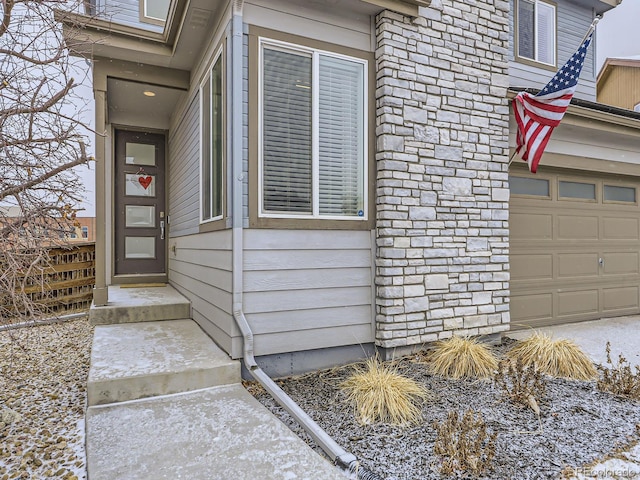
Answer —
201 270
300 340
308 289
573 22
332 317
312 20
184 169
276 280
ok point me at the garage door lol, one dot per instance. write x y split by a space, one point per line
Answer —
575 247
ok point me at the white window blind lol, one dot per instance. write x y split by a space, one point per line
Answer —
313 133
205 152
212 143
546 23
526 30
287 131
341 136
537 31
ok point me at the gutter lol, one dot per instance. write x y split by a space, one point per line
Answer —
335 452
578 102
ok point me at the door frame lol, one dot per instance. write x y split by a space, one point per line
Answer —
128 279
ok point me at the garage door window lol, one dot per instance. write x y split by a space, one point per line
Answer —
582 191
529 186
614 193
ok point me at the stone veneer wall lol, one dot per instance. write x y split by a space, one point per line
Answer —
442 185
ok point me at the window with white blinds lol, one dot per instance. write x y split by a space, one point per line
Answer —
212 143
313 133
537 31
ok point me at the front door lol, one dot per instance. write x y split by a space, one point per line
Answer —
139 203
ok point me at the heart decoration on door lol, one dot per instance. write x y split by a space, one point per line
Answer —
145 181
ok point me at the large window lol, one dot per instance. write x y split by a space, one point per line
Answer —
313 133
536 31
212 142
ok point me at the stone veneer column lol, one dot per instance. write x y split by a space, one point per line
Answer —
442 185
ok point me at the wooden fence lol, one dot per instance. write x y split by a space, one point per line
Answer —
68 281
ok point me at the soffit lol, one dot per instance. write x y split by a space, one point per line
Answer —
600 6
128 103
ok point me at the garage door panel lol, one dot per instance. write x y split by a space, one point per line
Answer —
617 228
533 267
530 307
620 298
571 265
620 263
527 226
574 258
578 302
575 227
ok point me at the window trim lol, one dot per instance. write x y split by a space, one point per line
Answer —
207 78
149 19
315 53
516 40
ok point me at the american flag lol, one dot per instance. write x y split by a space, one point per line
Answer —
537 115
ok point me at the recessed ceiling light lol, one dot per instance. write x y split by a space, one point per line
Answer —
149 93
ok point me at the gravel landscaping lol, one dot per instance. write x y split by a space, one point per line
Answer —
43 377
578 425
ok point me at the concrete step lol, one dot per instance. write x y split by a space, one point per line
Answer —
219 433
137 360
141 304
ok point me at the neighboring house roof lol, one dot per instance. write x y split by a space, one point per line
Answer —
612 62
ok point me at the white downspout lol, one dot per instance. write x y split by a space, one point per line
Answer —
337 454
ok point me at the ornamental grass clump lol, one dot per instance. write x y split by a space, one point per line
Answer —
379 393
557 358
459 357
619 379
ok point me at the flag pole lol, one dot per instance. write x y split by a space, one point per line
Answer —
512 156
592 27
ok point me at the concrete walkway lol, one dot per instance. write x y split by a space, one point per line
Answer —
219 433
165 402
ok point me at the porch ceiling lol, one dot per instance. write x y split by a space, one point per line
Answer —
129 105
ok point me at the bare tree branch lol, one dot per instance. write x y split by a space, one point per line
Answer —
42 143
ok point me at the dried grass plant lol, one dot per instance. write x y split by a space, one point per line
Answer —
555 357
619 379
464 444
379 393
522 385
459 357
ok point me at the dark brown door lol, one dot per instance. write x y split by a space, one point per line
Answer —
139 205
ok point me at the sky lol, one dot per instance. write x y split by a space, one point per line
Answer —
618 34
